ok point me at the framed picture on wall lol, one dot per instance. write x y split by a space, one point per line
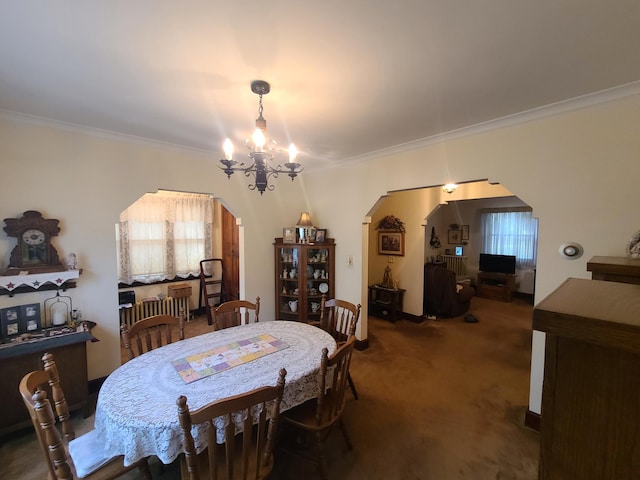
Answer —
455 237
391 243
30 316
465 232
10 321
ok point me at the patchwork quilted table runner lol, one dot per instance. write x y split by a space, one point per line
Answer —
201 365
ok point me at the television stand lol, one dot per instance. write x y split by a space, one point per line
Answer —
496 286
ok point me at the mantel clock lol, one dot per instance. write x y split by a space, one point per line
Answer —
34 252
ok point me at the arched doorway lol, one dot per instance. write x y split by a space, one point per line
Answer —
421 209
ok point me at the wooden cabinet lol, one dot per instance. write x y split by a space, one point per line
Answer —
386 302
18 359
498 286
615 269
303 273
590 427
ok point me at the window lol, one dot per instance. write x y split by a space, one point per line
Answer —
164 235
511 232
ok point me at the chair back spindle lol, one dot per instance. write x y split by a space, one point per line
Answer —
339 318
150 333
248 454
234 313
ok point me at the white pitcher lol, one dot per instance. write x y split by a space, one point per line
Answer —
293 305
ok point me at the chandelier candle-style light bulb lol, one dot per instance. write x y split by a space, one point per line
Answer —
293 153
260 168
228 149
258 139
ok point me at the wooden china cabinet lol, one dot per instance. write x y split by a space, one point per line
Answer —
303 273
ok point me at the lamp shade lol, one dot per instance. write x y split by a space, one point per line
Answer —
304 220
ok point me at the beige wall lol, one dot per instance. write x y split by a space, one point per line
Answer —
577 170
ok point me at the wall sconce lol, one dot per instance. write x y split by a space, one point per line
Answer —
449 187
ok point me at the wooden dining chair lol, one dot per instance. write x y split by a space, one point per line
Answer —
319 416
340 319
234 313
246 455
150 333
67 457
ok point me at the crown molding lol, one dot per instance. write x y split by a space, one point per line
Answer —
36 120
564 106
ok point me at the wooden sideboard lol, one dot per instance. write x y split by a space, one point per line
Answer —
386 302
615 269
590 427
17 359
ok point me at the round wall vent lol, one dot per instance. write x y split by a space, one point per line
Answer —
571 250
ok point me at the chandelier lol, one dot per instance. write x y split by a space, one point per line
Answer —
261 153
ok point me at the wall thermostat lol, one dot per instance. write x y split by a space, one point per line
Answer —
571 250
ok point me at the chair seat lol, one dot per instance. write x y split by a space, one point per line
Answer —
305 414
87 454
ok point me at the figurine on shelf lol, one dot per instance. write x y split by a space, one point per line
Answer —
284 273
72 262
387 279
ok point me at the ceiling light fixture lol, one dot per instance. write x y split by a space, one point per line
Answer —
449 187
260 152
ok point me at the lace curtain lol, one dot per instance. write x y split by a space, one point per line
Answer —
164 235
511 232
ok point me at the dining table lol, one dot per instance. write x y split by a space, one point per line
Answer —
136 412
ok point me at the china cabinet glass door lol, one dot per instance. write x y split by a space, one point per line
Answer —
303 273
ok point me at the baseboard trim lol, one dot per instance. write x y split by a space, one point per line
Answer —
412 318
362 344
532 420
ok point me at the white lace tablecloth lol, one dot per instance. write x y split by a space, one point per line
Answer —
137 415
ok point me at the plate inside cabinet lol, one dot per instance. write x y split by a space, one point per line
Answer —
323 287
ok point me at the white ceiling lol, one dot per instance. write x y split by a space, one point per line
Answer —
348 77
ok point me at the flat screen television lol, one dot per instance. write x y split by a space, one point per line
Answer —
497 263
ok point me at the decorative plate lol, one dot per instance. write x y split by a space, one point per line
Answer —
323 287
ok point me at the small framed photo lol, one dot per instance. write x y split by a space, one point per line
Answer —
30 317
10 321
289 235
465 232
321 235
455 237
391 243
